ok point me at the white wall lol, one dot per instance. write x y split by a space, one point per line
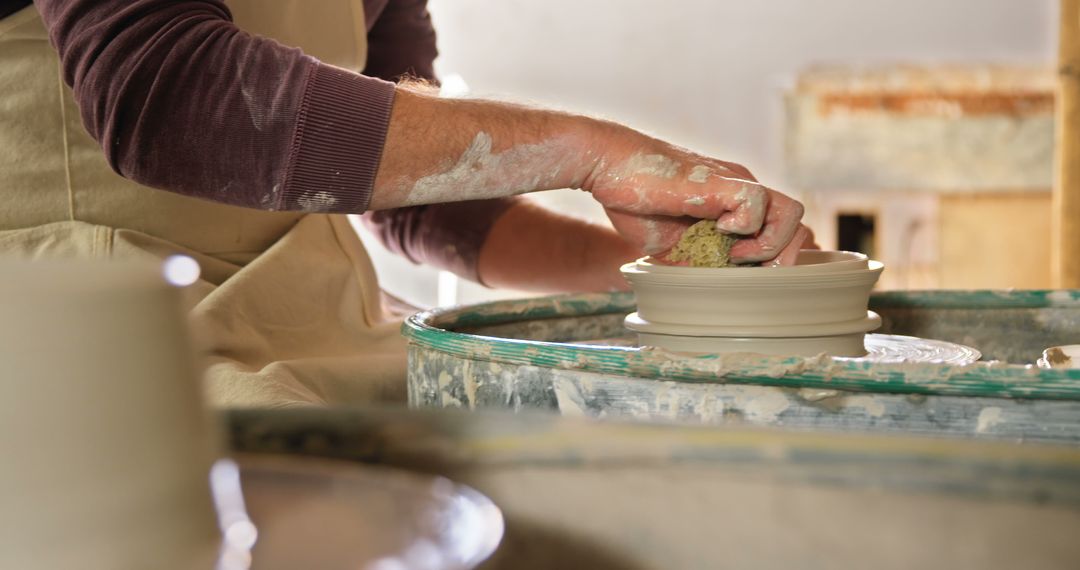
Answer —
708 74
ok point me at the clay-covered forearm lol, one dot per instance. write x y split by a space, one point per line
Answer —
181 99
443 150
531 248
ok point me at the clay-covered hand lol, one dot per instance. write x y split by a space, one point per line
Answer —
803 239
652 195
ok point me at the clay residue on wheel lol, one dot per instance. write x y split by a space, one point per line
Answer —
702 245
1057 357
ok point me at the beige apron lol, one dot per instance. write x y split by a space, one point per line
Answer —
287 307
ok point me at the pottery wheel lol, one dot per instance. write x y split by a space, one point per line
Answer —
896 348
882 348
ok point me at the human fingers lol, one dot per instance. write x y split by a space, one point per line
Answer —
748 216
790 253
738 170
779 227
811 240
738 205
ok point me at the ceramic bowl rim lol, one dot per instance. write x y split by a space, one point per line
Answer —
852 261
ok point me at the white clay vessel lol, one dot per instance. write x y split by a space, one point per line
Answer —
817 305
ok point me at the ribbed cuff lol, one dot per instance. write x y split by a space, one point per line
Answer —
338 142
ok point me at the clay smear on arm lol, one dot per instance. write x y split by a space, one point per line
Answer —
481 173
451 150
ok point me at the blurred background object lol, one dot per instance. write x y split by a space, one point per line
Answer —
943 172
712 76
102 419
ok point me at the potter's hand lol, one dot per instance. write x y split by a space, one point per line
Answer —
652 195
653 191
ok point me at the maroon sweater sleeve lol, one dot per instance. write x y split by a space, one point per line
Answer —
181 99
401 43
447 236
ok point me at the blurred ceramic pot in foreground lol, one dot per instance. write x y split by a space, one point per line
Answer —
107 448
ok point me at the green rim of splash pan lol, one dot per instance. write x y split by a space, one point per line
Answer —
434 330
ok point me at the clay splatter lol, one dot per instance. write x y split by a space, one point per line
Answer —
651 164
761 404
481 173
870 404
317 202
699 174
817 394
988 418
